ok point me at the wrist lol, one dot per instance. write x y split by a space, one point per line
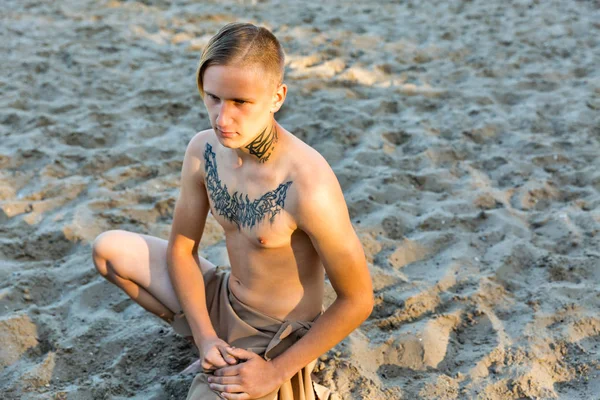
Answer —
281 373
205 338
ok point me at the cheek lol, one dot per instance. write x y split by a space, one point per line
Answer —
247 115
212 110
254 121
261 113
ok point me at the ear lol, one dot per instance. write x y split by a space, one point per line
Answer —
279 97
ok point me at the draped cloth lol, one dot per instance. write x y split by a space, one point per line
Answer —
245 327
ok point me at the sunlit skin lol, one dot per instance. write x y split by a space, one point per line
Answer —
277 267
241 103
286 224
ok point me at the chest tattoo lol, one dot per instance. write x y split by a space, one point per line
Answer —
237 207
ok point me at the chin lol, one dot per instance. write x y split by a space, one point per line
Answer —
230 143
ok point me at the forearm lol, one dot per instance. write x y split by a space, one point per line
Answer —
188 284
338 321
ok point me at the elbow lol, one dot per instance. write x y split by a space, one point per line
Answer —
181 260
170 256
178 249
367 306
364 304
362 307
174 254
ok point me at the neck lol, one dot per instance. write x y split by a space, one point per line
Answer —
263 145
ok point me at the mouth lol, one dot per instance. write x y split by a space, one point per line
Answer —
226 133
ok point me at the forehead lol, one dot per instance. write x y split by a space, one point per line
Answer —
231 81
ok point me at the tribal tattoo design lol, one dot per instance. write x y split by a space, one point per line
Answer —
238 208
263 144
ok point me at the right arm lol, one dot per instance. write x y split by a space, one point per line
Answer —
189 218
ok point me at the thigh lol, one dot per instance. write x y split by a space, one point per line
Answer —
143 260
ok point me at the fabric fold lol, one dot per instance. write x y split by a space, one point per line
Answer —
291 330
245 327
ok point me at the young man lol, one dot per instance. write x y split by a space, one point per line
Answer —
285 223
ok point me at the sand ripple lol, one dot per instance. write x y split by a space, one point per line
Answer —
465 135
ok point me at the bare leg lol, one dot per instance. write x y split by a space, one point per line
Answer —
138 265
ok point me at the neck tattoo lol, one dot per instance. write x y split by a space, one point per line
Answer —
263 145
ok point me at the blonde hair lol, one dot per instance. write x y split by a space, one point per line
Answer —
243 44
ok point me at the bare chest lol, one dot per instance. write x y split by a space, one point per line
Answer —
249 207
265 225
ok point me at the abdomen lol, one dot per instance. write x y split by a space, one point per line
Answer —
285 282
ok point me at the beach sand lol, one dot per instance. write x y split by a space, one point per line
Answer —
465 136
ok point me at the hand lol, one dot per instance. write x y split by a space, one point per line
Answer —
213 354
251 379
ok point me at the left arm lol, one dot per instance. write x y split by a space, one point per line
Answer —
323 215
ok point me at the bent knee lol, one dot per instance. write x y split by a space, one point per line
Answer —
104 247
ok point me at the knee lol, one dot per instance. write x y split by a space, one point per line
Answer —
102 249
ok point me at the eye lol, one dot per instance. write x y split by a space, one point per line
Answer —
212 96
240 101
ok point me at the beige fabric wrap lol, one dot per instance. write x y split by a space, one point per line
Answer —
245 327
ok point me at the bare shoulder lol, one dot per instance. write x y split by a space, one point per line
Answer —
194 153
197 143
310 170
316 190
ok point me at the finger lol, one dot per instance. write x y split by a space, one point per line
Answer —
208 367
215 360
225 380
236 396
226 356
228 371
241 353
206 364
226 388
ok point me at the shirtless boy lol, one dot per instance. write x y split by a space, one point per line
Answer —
283 213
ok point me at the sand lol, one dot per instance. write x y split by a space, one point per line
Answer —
466 138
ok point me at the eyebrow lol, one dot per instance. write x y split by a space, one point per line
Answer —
236 99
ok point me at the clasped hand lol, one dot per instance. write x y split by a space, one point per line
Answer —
250 379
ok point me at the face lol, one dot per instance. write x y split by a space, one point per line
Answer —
240 102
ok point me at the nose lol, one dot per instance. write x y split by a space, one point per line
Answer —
224 116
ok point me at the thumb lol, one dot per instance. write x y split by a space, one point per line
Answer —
240 353
228 358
